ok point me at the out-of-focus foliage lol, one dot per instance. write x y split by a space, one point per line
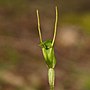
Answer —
82 20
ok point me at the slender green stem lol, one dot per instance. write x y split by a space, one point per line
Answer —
52 87
51 78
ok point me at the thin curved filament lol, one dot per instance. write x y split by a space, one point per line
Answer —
55 27
38 19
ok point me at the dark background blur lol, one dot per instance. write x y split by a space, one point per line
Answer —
22 65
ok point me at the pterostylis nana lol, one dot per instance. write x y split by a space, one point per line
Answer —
48 51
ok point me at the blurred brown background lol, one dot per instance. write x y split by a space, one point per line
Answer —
22 65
